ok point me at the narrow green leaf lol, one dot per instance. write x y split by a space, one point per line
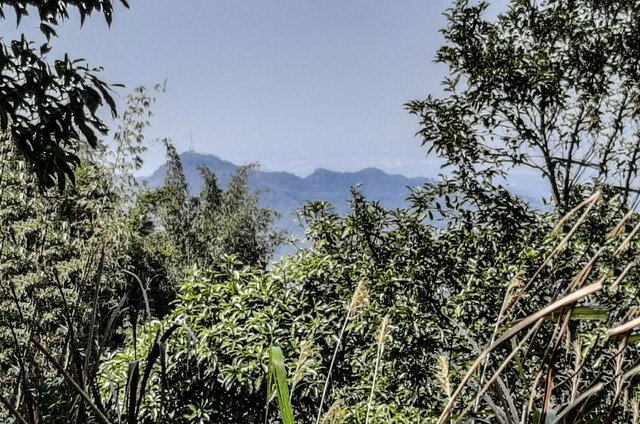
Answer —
278 374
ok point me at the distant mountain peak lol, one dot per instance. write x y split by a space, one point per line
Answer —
205 158
320 171
286 192
286 188
372 171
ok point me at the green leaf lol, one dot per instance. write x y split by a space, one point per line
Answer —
277 370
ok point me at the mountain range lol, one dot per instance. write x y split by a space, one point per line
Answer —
286 192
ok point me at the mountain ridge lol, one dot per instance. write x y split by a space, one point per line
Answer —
391 190
286 192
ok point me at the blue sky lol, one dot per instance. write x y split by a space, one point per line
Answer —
293 85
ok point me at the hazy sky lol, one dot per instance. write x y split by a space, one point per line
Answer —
294 85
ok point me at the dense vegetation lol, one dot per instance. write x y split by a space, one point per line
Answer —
124 304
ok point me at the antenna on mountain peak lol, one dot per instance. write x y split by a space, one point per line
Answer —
191 141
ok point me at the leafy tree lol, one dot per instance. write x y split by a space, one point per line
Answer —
414 274
51 110
213 367
60 280
199 230
381 316
549 85
67 260
86 265
444 294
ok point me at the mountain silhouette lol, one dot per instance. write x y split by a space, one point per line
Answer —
286 192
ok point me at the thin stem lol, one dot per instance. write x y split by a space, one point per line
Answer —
71 381
333 360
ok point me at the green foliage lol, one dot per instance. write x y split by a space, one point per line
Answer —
277 384
416 274
63 259
198 230
84 267
218 359
564 361
433 284
158 306
54 270
51 110
547 85
52 12
447 292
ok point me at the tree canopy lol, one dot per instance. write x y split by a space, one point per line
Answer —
121 303
51 108
550 85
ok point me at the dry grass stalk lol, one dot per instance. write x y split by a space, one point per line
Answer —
624 328
520 326
444 375
357 299
592 200
579 400
631 372
382 335
575 379
514 287
552 347
482 392
305 363
532 394
565 240
581 278
578 282
568 300
620 226
619 380
510 296
627 241
622 276
334 414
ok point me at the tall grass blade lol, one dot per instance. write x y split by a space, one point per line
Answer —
591 201
94 311
108 330
627 241
12 410
624 328
358 297
152 357
579 400
496 375
143 290
99 415
588 201
278 375
525 323
133 379
382 335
